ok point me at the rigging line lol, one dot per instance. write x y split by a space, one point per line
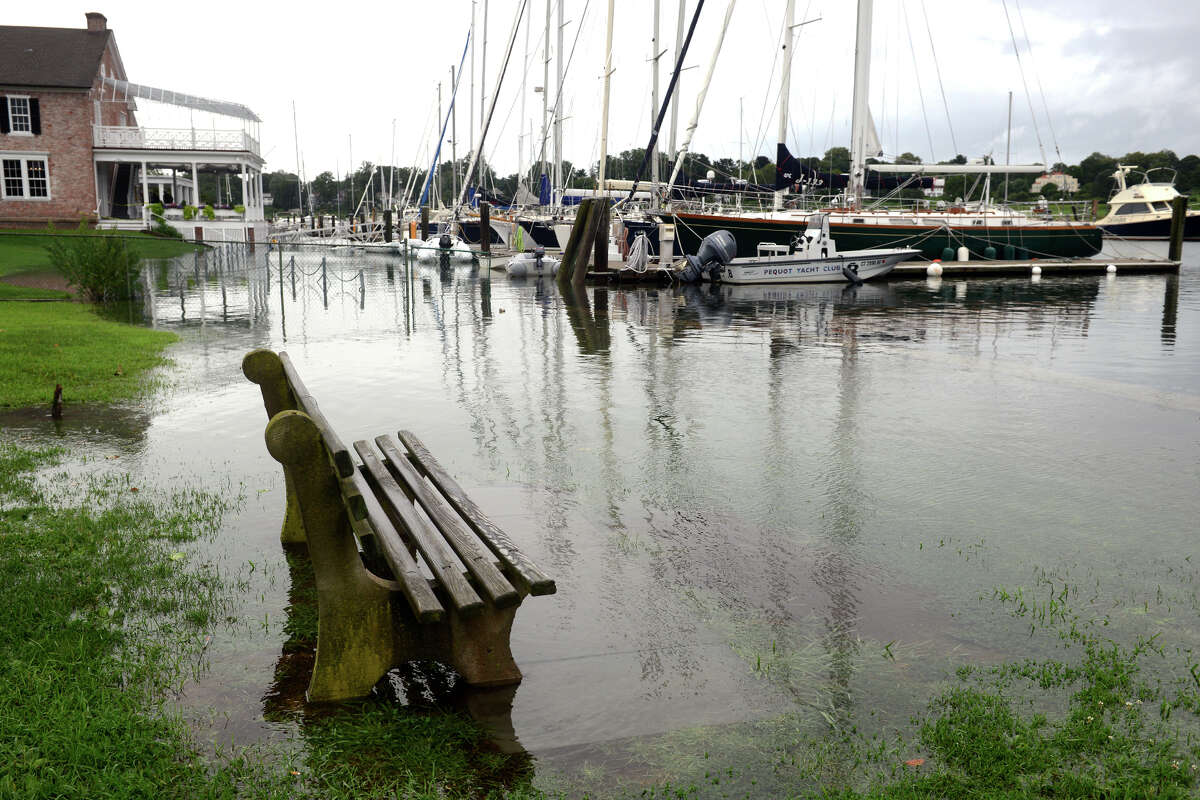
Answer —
666 102
1037 77
495 95
920 92
762 114
1037 131
557 111
938 69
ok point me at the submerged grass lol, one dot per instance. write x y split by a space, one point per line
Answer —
108 614
24 250
96 360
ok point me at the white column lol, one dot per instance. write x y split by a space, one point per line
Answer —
195 186
145 194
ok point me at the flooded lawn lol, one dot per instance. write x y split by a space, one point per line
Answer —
765 508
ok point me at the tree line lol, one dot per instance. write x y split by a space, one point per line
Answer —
367 187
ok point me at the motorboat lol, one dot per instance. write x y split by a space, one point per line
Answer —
812 257
532 262
445 245
1143 210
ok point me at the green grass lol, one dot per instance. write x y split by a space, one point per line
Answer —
10 292
95 360
25 250
107 614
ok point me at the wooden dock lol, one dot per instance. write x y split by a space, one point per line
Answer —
1048 266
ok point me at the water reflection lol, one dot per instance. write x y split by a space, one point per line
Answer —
709 471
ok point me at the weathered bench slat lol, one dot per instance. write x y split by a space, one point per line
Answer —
338 451
420 596
401 511
524 570
465 543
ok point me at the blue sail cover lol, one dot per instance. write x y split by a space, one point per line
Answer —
544 190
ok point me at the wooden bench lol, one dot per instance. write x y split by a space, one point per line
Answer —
407 567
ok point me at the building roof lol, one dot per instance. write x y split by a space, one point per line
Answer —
51 57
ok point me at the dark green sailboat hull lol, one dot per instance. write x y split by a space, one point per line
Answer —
1052 241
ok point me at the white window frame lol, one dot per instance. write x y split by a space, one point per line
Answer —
24 157
12 124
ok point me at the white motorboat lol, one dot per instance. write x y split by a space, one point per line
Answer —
1143 210
532 262
445 245
810 258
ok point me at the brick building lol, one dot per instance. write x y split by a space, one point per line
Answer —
71 146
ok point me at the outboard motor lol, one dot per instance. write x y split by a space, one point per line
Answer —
539 253
716 250
445 241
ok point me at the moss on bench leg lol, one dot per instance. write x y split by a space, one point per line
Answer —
354 627
265 368
479 647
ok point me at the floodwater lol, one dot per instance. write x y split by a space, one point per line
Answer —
755 501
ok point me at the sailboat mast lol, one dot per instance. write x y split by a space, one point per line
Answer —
859 116
545 97
299 191
482 98
654 55
453 132
437 169
521 119
604 106
785 91
676 99
691 128
1008 147
471 98
558 154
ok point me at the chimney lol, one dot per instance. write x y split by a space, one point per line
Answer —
96 21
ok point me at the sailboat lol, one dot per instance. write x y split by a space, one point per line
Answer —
986 230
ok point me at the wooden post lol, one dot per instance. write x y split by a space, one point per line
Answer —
1178 223
387 225
1095 208
587 242
424 223
573 242
485 228
56 404
605 207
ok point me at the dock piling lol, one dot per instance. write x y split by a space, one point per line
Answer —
1178 221
485 228
424 223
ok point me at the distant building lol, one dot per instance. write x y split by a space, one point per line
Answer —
1066 183
71 148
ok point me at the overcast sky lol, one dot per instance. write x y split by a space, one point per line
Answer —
1115 75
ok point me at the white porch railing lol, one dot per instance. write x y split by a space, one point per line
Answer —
129 137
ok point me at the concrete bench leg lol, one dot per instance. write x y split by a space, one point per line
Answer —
479 647
264 368
354 635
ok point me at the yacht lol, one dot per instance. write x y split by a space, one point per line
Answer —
1143 210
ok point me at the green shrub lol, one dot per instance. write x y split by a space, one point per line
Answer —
156 211
208 212
162 228
239 209
189 212
103 266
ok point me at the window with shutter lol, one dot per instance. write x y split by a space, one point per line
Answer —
19 119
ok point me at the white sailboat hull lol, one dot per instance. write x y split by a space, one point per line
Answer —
797 268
